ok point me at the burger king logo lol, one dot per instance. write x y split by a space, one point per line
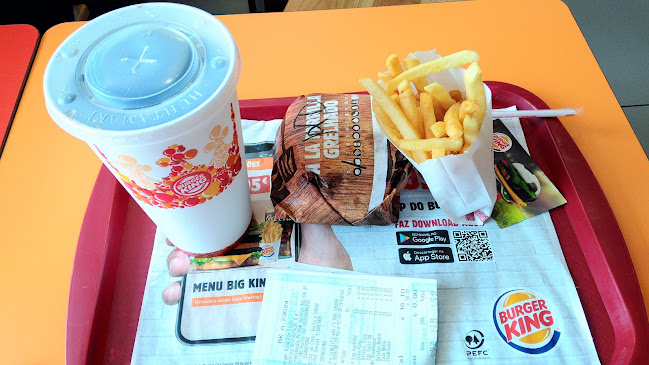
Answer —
268 250
192 184
502 142
526 322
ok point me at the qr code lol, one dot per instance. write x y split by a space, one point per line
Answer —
472 246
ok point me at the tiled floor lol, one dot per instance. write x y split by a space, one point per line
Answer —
618 35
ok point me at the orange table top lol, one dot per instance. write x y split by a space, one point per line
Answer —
46 176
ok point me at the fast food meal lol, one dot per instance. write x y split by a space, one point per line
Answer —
413 123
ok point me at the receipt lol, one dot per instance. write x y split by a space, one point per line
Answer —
326 318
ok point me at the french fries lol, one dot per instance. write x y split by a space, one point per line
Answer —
409 106
427 108
439 129
271 232
385 76
474 91
468 107
424 120
393 65
450 144
385 123
437 152
456 95
419 82
439 92
396 115
454 60
454 128
390 107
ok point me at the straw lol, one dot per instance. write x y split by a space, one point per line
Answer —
543 113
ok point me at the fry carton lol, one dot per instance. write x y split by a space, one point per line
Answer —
463 183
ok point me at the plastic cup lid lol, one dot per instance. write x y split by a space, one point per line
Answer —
140 66
139 69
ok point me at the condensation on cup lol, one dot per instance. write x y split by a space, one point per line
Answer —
152 89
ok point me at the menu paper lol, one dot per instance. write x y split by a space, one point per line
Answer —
505 296
326 318
213 297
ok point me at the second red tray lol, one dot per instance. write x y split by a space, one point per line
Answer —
116 240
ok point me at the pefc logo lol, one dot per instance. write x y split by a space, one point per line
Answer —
502 142
526 322
192 184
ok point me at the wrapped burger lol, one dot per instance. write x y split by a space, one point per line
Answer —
333 165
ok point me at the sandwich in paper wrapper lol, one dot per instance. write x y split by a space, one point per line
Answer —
464 185
332 165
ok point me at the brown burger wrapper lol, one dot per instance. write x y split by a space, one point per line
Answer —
325 161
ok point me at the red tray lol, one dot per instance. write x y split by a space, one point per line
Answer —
17 50
116 240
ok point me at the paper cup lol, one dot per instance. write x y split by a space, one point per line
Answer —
152 89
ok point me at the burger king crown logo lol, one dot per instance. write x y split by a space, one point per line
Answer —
526 322
184 183
502 142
